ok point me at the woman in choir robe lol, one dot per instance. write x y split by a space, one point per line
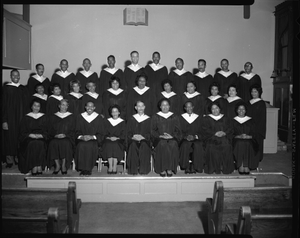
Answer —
247 80
114 95
191 155
33 141
107 73
86 75
203 80
61 138
54 99
133 70
88 134
14 107
75 98
114 132
169 94
214 97
244 142
195 97
156 72
138 141
143 93
38 78
217 136
232 101
180 77
41 96
225 77
165 136
63 77
258 112
92 96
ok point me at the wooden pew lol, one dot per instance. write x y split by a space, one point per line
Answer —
261 225
226 202
37 210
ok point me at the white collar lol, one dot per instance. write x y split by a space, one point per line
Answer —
44 97
89 118
241 120
180 72
141 118
115 122
93 95
35 115
190 118
56 97
252 101
225 74
86 73
63 74
232 99
168 95
189 95
201 75
134 67
111 70
62 115
141 91
13 84
156 67
248 76
214 98
76 95
39 78
216 118
165 115
115 92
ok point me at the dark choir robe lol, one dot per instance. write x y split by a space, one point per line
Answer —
87 152
203 81
197 99
36 79
114 97
224 79
61 148
147 95
179 79
130 74
191 150
174 101
33 152
166 152
230 106
246 81
42 99
218 150
95 98
218 99
244 149
156 74
139 152
258 112
52 104
87 76
14 107
75 103
64 79
105 76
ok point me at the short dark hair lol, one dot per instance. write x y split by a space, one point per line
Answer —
258 88
37 65
163 99
179 59
232 86
112 107
55 85
156 52
35 100
166 81
64 60
214 84
214 103
225 60
134 51
140 76
188 102
242 103
74 82
14 70
38 85
111 56
114 78
202 61
193 82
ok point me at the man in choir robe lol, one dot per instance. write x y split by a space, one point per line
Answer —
86 75
107 73
133 70
38 78
63 77
195 97
92 96
203 79
156 72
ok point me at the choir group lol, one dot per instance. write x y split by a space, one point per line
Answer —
203 123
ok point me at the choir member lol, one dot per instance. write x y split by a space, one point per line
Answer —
114 133
33 141
38 78
86 75
232 101
180 77
156 72
165 136
107 73
191 155
92 96
75 98
138 141
133 70
41 96
195 97
214 97
63 77
61 138
225 77
244 142
247 80
88 134
203 79
114 95
54 99
258 112
217 135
